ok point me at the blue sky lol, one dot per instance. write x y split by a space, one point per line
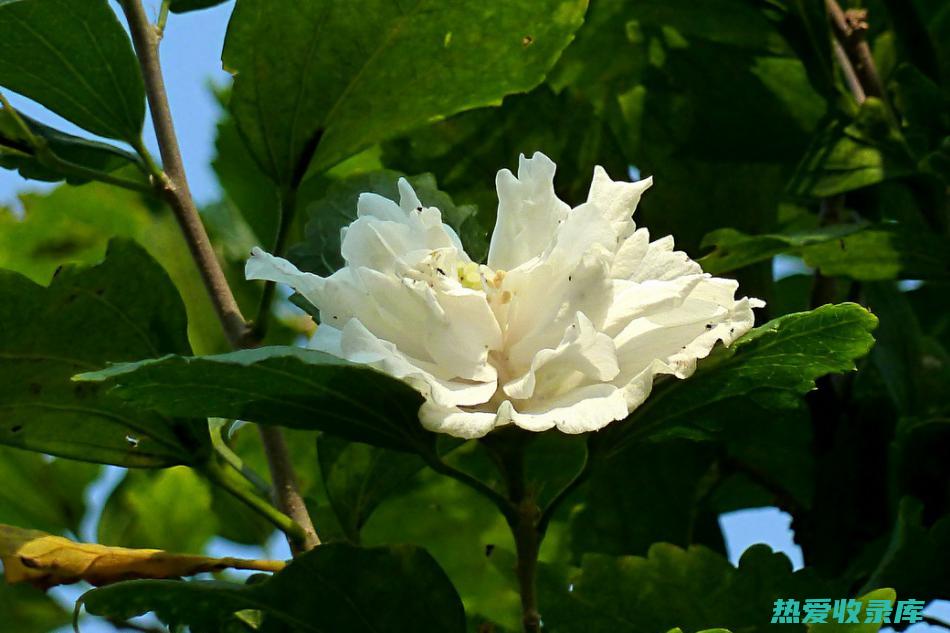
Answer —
191 52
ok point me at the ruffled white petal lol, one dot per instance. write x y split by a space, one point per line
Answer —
567 327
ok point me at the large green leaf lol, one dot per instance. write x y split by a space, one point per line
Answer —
322 79
886 251
43 494
75 224
359 477
289 386
74 58
320 252
336 587
463 532
84 319
734 249
17 153
466 150
773 365
166 509
693 589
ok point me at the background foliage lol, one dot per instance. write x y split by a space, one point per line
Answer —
767 158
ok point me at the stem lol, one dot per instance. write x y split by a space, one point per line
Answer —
227 480
525 521
849 27
47 157
173 180
233 460
527 546
174 186
287 211
162 18
286 490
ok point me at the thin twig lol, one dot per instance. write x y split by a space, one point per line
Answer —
286 489
505 506
849 28
174 183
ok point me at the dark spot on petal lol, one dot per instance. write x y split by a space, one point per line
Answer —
732 330
29 562
709 326
570 277
440 271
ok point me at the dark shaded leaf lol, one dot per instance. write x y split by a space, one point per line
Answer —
693 589
359 477
336 587
16 151
75 59
84 319
325 79
288 386
183 6
320 253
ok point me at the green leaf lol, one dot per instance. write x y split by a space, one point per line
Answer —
916 555
359 477
323 79
850 155
183 6
26 609
16 152
671 587
773 365
466 150
84 319
320 253
734 249
886 251
167 509
619 515
75 59
288 386
463 531
46 236
336 587
43 494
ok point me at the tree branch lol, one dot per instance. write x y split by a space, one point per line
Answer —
172 179
849 28
286 489
174 187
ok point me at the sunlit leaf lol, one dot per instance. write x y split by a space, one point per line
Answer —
325 79
75 59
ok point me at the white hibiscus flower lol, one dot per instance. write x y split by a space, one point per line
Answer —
567 326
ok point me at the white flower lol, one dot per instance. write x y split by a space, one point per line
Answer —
567 326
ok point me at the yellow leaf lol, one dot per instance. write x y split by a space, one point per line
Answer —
45 561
